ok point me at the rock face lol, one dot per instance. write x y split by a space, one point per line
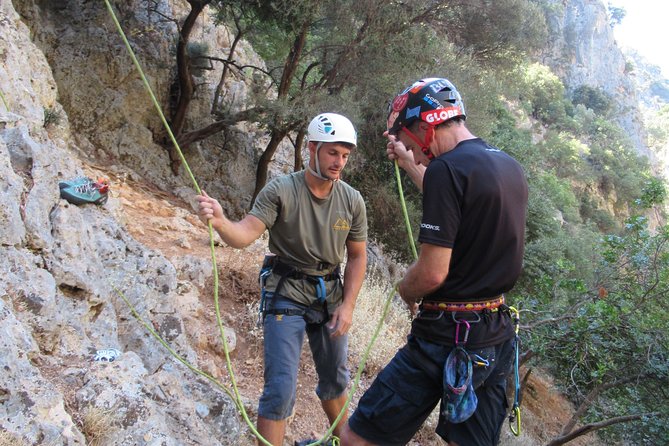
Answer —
582 51
89 60
64 267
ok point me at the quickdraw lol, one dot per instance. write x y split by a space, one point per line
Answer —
514 416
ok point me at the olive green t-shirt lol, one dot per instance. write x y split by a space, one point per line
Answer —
305 231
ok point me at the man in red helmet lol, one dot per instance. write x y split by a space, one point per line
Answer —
461 345
313 219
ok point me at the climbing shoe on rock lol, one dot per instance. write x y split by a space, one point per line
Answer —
82 190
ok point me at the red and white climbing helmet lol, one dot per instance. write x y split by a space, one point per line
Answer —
432 100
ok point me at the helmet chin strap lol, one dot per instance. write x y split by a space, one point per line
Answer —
424 145
317 172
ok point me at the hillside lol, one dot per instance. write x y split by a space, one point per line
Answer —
72 104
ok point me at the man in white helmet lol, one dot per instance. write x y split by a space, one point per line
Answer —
313 219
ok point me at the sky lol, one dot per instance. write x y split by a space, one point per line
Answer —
644 29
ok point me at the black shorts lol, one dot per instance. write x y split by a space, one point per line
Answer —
407 390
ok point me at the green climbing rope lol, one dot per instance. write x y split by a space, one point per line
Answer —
181 359
412 244
235 395
238 400
4 101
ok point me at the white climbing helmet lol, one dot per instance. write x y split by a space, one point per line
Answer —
331 127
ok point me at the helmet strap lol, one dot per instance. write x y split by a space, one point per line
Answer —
424 145
317 172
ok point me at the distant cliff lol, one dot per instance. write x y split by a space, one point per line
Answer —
582 51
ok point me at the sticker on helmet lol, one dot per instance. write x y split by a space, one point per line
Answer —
440 115
392 118
400 102
413 112
434 103
440 85
325 126
416 87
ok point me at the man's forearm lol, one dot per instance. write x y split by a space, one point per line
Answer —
354 275
427 274
239 234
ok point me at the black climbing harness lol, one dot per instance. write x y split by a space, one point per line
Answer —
272 264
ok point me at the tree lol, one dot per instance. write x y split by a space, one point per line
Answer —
593 98
616 15
614 348
333 54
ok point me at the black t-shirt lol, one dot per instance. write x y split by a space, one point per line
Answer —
474 202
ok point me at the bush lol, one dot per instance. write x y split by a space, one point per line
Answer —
593 98
546 94
52 117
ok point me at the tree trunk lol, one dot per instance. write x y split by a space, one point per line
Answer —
289 68
299 140
184 77
263 163
591 397
198 135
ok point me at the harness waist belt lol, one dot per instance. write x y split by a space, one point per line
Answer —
491 304
285 270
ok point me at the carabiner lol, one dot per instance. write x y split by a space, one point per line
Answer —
515 316
474 321
514 421
479 361
457 331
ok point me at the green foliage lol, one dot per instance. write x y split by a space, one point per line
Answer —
561 153
658 128
654 193
506 135
545 94
593 98
615 328
52 117
616 15
513 29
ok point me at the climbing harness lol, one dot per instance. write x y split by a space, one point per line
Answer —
272 264
263 275
474 306
514 416
234 394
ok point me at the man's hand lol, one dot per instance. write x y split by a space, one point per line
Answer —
396 150
341 320
412 304
210 210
